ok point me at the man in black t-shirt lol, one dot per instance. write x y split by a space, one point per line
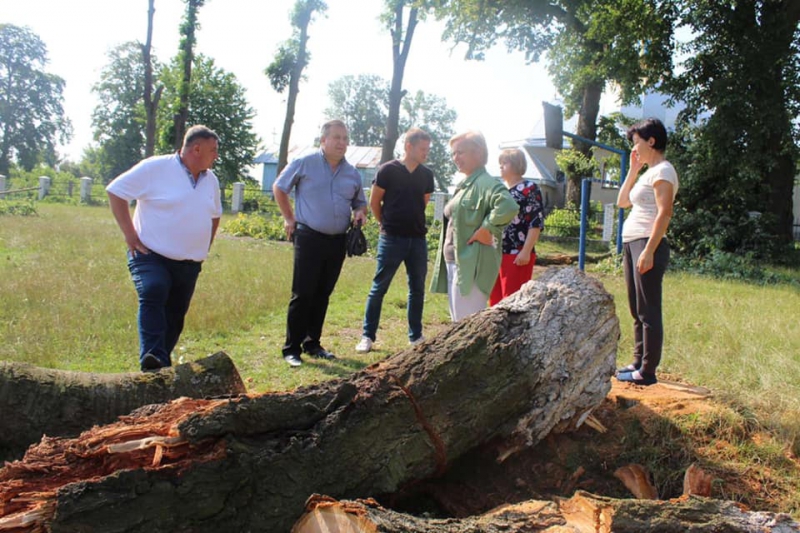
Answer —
400 192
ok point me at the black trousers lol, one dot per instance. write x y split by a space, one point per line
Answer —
318 260
644 301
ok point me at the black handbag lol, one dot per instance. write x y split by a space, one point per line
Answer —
356 242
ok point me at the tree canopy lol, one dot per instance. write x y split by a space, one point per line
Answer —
362 102
119 117
591 45
737 143
218 101
32 117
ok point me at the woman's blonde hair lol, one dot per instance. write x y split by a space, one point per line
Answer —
515 158
476 140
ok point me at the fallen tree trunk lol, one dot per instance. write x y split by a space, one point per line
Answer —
538 362
39 401
583 513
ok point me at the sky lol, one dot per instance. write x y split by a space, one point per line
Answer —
501 96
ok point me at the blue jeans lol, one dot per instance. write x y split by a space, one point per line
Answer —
392 251
165 288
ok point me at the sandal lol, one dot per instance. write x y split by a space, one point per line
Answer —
647 379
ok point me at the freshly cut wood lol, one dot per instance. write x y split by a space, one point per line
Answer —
637 480
538 362
583 513
39 401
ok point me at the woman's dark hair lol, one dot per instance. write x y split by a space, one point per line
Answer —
652 128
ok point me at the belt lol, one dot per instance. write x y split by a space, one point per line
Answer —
308 229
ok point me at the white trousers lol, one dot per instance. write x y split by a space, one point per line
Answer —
461 306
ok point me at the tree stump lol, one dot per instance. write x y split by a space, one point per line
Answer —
583 513
540 361
39 401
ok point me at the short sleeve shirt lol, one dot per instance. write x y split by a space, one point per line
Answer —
174 213
323 197
639 224
531 215
403 211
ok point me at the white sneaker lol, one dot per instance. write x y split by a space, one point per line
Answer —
364 345
416 341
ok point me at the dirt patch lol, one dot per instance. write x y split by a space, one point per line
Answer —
651 426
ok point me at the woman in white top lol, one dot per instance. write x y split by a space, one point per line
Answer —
646 251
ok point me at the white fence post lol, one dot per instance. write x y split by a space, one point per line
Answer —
2 186
608 222
439 201
44 186
86 189
237 199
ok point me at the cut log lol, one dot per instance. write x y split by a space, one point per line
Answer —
39 401
538 362
583 513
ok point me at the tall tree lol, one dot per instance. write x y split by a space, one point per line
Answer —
189 27
150 99
590 43
286 69
32 117
363 103
119 118
401 46
430 112
217 100
743 74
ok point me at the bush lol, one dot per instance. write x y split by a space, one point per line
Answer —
728 266
18 207
563 223
256 225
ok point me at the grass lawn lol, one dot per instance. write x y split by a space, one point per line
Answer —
66 301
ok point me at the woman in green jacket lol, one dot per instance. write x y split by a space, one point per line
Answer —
469 253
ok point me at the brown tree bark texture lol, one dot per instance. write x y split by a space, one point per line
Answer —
540 361
39 401
583 513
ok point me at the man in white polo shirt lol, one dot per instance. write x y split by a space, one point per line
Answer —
177 214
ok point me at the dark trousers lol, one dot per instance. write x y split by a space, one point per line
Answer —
165 288
318 260
644 301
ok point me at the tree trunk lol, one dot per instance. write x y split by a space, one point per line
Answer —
396 93
583 513
538 362
587 128
150 100
294 90
39 401
780 21
188 29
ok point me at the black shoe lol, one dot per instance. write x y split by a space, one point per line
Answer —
630 368
293 360
150 363
647 379
321 353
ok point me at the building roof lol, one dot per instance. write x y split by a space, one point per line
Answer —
358 156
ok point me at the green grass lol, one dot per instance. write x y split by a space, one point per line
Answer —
67 302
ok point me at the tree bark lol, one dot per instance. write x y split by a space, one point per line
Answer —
39 401
583 513
538 362
294 86
400 49
150 100
587 128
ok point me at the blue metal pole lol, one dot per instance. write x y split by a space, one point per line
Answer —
585 192
623 171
